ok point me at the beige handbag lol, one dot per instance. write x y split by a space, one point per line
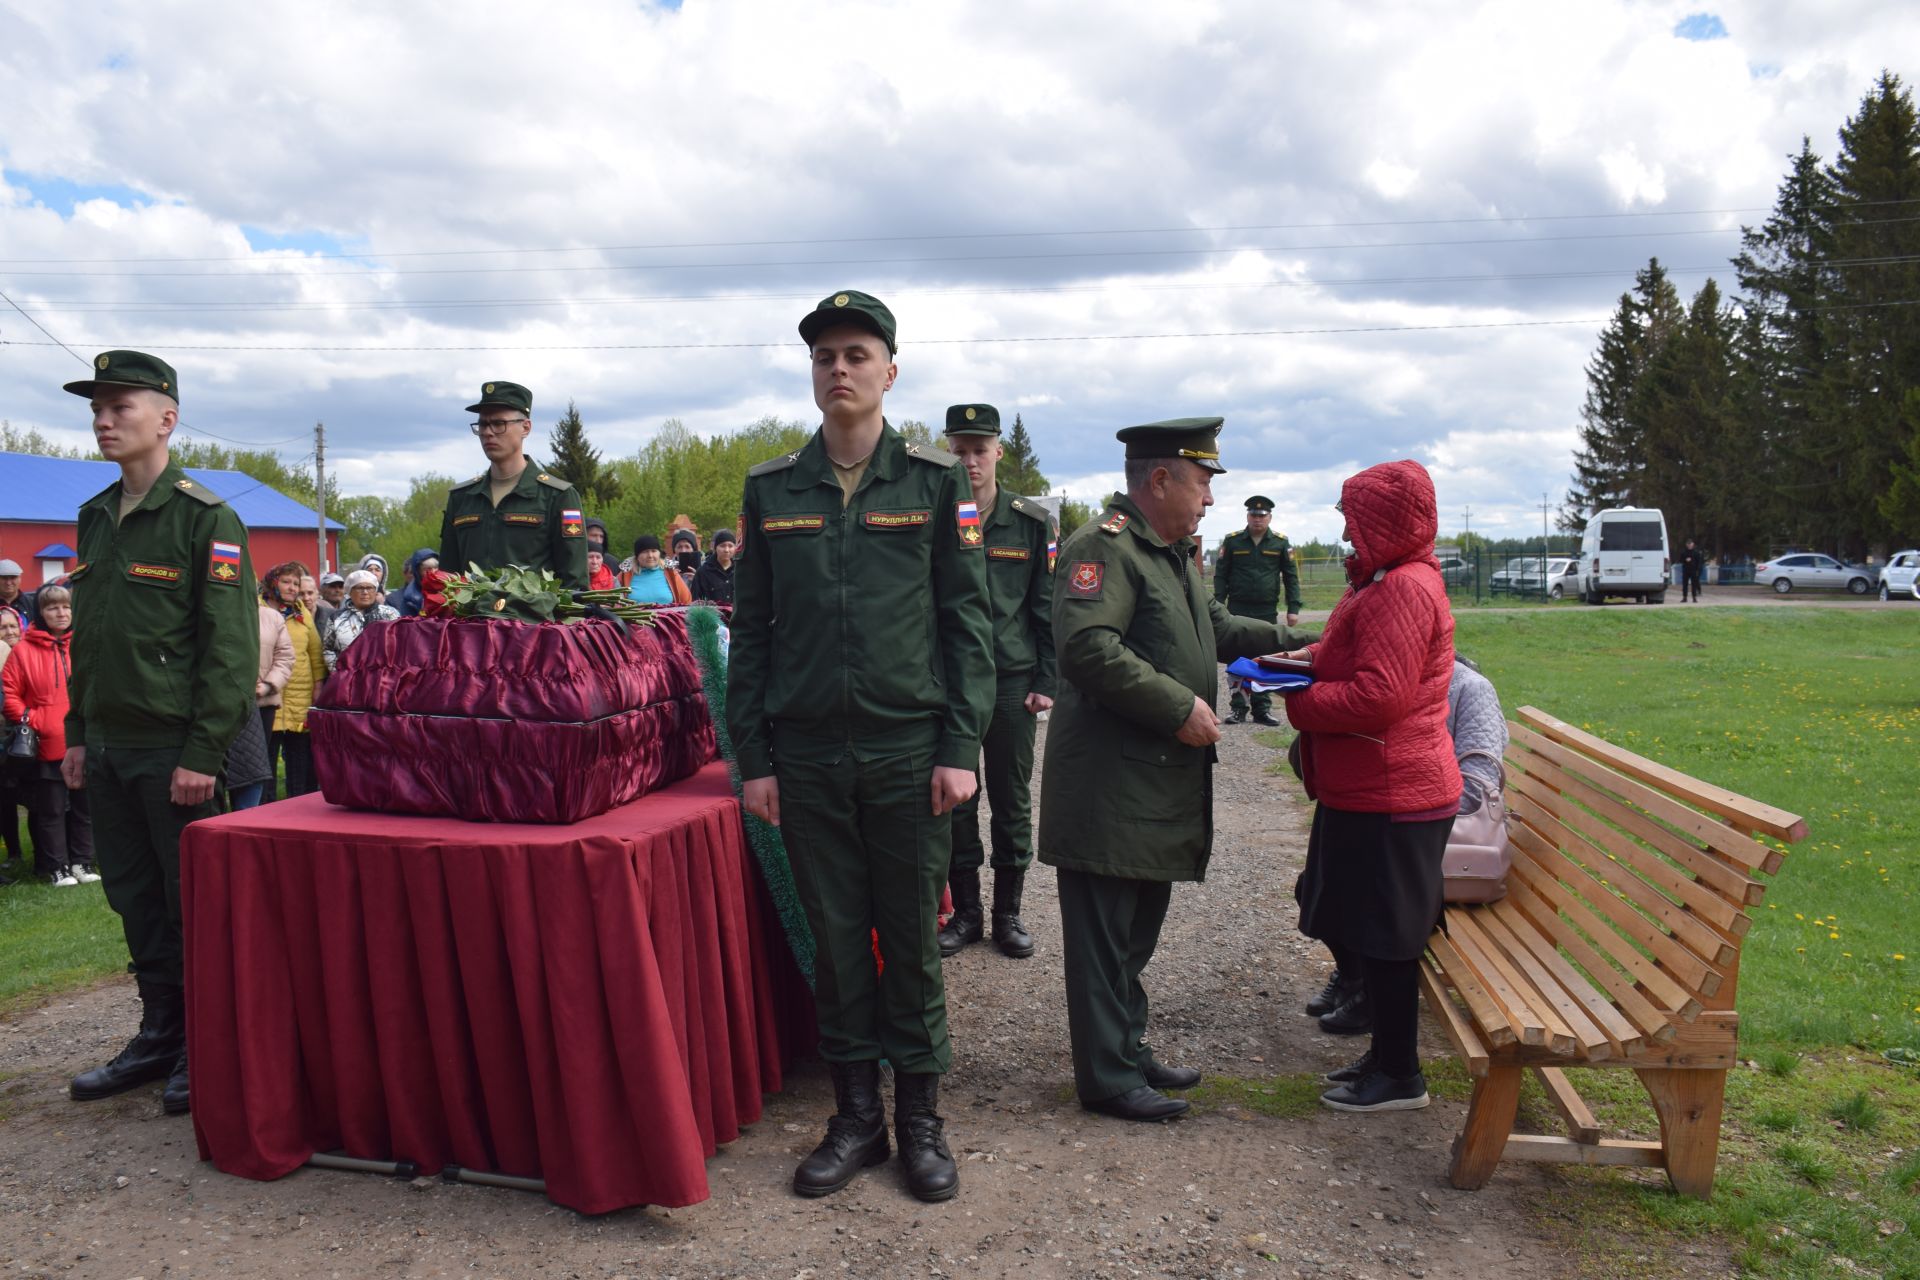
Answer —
1478 856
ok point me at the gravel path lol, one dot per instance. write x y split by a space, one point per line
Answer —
113 1190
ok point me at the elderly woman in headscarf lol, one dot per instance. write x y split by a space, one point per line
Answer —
362 606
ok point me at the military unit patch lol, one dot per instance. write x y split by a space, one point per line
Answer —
967 516
223 562
1053 550
897 519
153 572
1008 553
792 524
1114 523
570 523
1084 581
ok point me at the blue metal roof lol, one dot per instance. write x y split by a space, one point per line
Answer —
56 551
50 491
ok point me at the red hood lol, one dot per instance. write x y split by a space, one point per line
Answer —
1392 518
46 639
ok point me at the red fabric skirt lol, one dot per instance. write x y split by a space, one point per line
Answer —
598 1005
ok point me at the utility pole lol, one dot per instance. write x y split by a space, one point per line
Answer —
320 494
1466 549
1546 549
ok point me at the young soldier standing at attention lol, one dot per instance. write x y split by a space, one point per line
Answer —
858 688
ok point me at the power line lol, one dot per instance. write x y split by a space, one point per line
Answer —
245 444
393 304
42 328
1074 255
1497 219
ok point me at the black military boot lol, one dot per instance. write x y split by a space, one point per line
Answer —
173 1099
151 1053
917 1126
856 1133
1009 934
1339 989
964 926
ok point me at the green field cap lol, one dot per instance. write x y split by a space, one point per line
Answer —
1195 438
850 306
1260 506
973 420
504 395
129 369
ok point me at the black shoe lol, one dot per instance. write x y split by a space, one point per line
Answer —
1338 991
917 1126
1266 718
149 1056
174 1099
856 1134
1378 1091
964 926
1144 1103
1353 1018
1009 933
1358 1069
1238 717
1165 1077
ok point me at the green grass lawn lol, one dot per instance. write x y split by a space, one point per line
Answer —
52 940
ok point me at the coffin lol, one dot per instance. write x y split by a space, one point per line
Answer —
500 721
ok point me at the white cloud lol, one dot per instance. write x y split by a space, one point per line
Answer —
824 137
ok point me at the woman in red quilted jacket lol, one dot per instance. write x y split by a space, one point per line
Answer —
34 683
1376 755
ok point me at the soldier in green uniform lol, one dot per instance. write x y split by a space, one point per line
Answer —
859 684
1018 533
1247 576
166 653
1126 802
514 512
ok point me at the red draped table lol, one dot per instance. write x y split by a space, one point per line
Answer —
598 1005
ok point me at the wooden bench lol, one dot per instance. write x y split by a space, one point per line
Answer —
1617 945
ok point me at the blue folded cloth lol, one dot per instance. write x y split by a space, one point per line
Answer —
1279 681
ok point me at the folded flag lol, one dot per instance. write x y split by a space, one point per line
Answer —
1265 679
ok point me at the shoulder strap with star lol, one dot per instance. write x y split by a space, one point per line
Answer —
199 492
1113 520
771 465
553 481
928 453
468 484
1033 511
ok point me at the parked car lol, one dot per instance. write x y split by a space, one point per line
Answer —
1624 552
1456 572
1809 570
1900 578
1507 579
1563 578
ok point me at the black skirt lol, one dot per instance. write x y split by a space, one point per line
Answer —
1372 885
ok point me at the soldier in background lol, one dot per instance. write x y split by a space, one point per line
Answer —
1247 577
514 512
1017 533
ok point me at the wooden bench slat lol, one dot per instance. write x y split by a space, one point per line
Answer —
1487 1015
1539 1004
1590 1040
1612 1151
1525 1020
1466 1043
1711 949
1740 850
1581 1126
1653 1024
1659 987
1679 964
1778 823
1703 899
1621 1034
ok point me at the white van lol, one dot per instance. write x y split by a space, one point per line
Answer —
1624 553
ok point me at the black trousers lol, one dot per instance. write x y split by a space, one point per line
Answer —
1393 991
138 847
297 750
58 820
1689 586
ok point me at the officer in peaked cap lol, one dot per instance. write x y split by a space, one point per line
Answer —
1126 805
859 685
514 512
1253 564
165 658
1017 534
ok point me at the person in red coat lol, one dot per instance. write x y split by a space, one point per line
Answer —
34 681
1376 756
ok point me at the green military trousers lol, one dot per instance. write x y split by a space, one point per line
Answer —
136 846
1262 702
1109 927
1006 774
869 855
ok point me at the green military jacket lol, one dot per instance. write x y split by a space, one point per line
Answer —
537 525
861 629
1139 640
166 625
1020 545
1247 574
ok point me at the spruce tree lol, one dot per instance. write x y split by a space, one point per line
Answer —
578 462
1608 467
1686 403
1019 470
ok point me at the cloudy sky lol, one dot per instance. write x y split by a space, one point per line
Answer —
1357 232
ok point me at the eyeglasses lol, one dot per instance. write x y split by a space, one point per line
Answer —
494 426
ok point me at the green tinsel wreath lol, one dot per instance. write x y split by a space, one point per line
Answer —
703 628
